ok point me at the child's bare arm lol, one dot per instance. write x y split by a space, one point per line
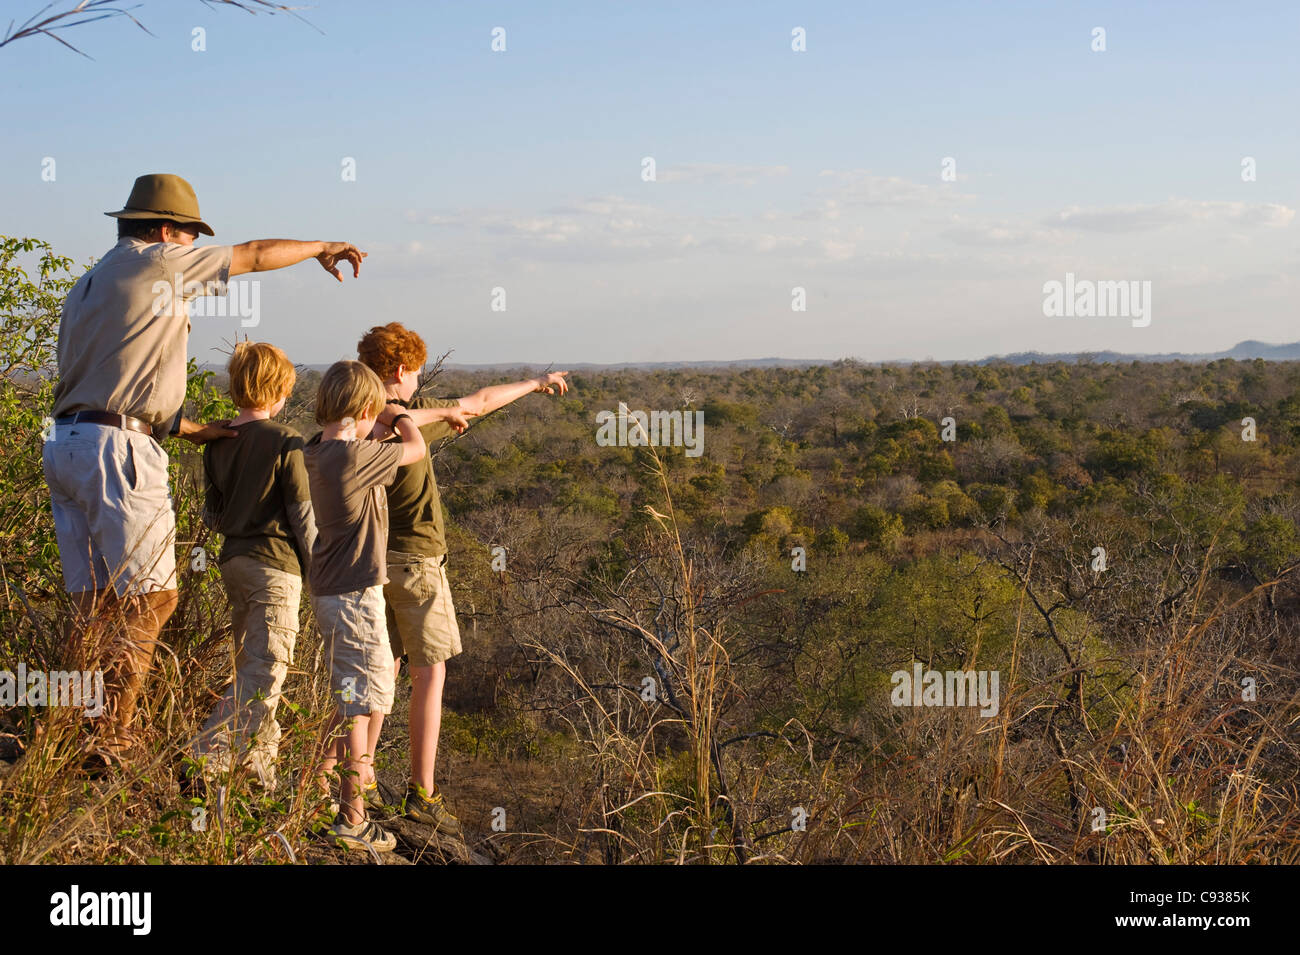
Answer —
454 416
413 446
489 399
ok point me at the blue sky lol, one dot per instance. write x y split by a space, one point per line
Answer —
775 169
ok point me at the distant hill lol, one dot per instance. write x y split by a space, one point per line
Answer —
1242 351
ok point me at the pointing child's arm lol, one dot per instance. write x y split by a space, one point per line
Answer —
413 446
457 417
489 399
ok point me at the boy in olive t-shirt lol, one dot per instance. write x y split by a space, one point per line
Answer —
256 496
421 614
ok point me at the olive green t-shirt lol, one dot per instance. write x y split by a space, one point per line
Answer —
414 509
251 482
347 480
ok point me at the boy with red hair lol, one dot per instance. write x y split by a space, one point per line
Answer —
421 617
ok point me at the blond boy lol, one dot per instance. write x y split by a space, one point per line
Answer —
257 498
347 475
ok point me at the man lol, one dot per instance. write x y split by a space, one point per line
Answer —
122 378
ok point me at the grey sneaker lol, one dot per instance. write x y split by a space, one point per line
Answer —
359 836
378 796
430 810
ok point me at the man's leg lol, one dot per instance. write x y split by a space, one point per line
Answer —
86 627
118 636
115 526
145 618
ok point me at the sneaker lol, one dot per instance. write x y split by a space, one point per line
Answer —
430 810
359 836
373 797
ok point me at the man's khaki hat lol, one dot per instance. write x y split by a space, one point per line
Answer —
161 195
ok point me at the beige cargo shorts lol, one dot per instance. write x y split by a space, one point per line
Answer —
420 615
361 666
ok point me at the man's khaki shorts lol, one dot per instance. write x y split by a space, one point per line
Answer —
112 510
421 618
361 668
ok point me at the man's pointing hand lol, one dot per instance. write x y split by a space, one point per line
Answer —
336 252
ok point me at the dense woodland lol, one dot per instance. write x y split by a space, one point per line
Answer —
684 658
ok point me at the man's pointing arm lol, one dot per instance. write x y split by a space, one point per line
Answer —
266 255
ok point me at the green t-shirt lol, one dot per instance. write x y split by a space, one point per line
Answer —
250 483
414 508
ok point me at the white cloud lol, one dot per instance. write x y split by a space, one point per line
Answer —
829 209
1138 218
1002 234
728 174
862 187
838 251
754 242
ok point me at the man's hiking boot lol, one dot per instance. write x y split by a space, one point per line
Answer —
101 756
430 809
11 747
364 833
97 765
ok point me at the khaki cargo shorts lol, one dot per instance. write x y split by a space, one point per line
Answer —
112 509
421 618
264 618
361 666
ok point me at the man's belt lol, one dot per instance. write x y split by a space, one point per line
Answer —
123 421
